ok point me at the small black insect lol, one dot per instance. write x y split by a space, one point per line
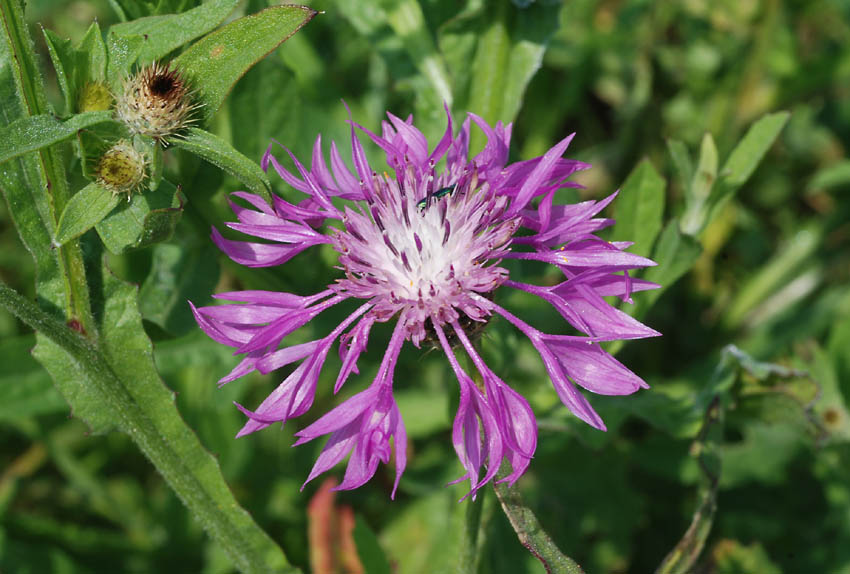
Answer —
422 204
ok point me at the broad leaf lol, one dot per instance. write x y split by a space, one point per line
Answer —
220 153
85 210
509 52
36 132
145 219
639 208
745 158
166 33
682 162
179 273
218 60
408 23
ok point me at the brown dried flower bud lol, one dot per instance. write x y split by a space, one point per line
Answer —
156 102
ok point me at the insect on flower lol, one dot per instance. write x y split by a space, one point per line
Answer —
442 192
423 248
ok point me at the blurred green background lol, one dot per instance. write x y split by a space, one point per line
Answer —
626 76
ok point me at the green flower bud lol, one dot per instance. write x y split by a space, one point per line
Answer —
122 169
94 97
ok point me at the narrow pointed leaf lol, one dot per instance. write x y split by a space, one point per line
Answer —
675 253
62 56
86 209
508 54
640 207
744 159
751 149
91 57
697 192
220 153
36 132
168 32
218 60
408 22
682 162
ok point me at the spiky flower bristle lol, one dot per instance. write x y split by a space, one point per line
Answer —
156 102
122 169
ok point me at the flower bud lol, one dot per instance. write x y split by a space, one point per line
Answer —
155 102
94 97
121 169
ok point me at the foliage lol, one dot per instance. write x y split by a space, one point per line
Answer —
724 126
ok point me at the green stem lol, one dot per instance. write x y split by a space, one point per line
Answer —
31 90
469 551
528 529
133 420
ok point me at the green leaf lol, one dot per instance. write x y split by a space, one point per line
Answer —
831 177
745 158
25 388
38 180
529 530
789 260
62 56
509 52
178 274
675 254
122 54
218 60
368 550
85 210
682 162
751 149
77 66
220 153
148 218
695 217
36 132
121 387
91 57
640 207
165 33
408 23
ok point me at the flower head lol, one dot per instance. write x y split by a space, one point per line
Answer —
121 169
156 102
423 246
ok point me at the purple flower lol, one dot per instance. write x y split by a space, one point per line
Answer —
423 246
